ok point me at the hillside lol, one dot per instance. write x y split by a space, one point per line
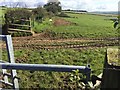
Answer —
80 26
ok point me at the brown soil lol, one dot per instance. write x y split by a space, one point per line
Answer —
62 22
37 41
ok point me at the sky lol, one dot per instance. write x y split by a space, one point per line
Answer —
89 5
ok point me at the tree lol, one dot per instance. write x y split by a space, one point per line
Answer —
55 1
39 13
53 6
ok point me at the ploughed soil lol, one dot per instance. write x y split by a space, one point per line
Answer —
62 22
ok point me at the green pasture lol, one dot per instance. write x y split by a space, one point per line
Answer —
86 25
39 79
2 12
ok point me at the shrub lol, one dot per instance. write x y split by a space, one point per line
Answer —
11 16
39 13
50 14
62 14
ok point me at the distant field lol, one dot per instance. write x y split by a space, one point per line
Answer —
1 12
86 25
1 15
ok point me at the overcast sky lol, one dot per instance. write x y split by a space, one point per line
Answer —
89 5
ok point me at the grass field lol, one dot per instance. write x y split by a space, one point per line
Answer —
94 57
1 12
80 26
86 25
1 16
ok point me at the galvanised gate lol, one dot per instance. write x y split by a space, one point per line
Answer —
12 66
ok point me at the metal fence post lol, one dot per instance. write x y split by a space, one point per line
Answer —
88 72
11 60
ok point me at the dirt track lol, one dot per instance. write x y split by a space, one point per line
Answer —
36 42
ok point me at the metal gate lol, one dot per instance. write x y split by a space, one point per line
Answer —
11 65
13 74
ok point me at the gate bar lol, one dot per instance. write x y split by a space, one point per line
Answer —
44 67
6 83
3 37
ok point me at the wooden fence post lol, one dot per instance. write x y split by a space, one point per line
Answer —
111 72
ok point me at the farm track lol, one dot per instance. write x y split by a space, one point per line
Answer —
34 42
38 37
73 46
